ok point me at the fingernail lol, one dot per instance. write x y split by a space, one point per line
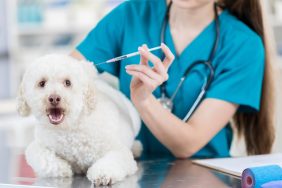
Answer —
129 66
128 72
145 47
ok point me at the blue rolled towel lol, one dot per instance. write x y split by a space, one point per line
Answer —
273 184
257 176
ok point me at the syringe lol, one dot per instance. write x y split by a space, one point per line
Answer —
126 56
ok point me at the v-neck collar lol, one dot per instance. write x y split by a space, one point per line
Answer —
202 38
189 46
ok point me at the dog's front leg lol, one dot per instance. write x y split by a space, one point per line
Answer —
45 163
113 167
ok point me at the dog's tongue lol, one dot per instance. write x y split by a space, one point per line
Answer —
56 116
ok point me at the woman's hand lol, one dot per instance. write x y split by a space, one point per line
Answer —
146 79
183 141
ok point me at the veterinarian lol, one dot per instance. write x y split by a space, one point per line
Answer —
232 82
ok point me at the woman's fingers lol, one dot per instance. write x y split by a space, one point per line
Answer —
152 84
159 72
158 64
147 71
143 60
169 57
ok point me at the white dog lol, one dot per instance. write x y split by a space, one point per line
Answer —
84 125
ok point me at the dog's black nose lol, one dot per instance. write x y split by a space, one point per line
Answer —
54 99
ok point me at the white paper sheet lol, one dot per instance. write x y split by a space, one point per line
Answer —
235 166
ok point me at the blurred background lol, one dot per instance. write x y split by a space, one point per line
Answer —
31 28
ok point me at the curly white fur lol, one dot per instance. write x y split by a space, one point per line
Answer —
98 129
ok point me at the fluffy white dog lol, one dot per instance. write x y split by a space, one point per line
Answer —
85 126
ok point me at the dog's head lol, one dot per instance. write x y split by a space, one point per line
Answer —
57 89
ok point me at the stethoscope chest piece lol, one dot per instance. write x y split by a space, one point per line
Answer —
166 102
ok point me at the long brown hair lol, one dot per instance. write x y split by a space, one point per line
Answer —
257 128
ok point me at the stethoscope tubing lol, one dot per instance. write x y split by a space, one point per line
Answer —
207 63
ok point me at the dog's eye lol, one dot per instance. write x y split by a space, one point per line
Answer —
67 83
42 83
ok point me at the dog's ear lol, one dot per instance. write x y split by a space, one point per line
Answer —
91 73
89 98
22 106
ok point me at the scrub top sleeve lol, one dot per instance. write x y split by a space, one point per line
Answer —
104 41
240 76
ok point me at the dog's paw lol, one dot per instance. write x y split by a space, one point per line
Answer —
56 169
102 180
64 170
100 176
45 162
103 175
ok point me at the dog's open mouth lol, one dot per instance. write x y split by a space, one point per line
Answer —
55 115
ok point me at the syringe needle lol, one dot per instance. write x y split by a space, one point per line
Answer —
126 56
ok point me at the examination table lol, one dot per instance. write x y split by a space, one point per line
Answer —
165 173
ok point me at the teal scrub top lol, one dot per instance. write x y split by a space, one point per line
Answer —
238 63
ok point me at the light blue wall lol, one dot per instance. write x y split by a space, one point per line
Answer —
3 28
4 65
4 81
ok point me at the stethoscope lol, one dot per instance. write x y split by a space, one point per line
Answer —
167 102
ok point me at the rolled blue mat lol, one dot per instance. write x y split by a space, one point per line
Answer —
273 184
257 176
